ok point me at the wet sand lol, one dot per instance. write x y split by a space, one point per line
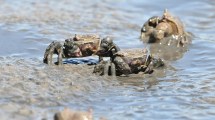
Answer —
33 90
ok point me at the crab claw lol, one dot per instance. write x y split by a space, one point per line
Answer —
104 47
149 26
157 62
122 66
107 48
53 48
105 68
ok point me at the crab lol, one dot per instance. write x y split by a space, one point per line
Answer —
156 29
69 114
130 61
79 46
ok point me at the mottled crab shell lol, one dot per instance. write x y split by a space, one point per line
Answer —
177 25
82 39
87 37
133 53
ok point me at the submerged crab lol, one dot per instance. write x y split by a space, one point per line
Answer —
79 46
132 61
156 29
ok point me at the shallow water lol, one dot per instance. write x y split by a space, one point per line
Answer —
33 90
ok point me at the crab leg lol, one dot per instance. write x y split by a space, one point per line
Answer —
106 68
113 69
53 48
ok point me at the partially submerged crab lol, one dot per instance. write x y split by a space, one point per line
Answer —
128 62
68 114
158 28
79 46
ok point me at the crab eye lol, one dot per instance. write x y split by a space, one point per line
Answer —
67 40
105 42
104 45
143 29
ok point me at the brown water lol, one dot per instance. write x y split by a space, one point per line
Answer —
32 90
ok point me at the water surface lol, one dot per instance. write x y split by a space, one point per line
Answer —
184 89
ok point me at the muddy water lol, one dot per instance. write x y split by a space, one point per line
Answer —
184 89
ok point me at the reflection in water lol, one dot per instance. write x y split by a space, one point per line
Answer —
167 52
33 90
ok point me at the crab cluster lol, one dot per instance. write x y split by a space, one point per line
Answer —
156 29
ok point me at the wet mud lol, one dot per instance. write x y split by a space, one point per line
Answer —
30 89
